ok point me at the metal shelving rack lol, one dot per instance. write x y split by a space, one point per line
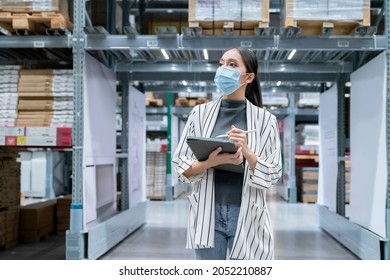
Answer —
387 28
119 46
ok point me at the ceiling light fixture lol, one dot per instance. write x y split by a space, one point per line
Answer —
164 52
278 83
205 54
292 54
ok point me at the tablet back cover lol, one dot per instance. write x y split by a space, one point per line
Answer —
203 146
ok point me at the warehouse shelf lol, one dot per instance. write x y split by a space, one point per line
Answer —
141 56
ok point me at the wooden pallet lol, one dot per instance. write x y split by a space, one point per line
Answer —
155 102
156 197
311 27
37 23
189 102
307 198
236 28
323 26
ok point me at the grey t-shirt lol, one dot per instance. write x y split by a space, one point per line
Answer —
228 185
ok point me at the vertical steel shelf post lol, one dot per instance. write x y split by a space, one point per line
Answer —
387 32
340 194
125 141
169 188
292 188
75 237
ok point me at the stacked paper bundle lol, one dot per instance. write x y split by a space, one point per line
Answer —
307 134
8 95
275 99
45 98
30 6
341 10
156 174
228 10
309 99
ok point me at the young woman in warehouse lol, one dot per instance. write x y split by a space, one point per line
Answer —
228 215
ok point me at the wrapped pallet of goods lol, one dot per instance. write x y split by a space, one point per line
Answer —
37 16
314 17
240 16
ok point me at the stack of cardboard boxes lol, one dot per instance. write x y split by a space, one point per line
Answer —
37 220
9 196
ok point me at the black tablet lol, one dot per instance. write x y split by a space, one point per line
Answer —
203 146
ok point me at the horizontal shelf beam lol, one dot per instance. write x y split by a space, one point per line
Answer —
36 41
112 42
191 76
315 68
264 89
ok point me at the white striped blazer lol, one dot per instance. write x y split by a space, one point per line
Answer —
254 235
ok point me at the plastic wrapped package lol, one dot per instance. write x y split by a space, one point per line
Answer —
327 10
275 99
228 10
30 6
309 99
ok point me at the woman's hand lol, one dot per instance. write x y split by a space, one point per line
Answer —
238 136
216 157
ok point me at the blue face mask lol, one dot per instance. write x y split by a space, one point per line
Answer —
226 79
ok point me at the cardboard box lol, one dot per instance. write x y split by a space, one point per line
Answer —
33 236
15 131
64 132
38 215
41 131
64 141
63 213
41 141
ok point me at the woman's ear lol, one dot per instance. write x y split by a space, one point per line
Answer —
250 77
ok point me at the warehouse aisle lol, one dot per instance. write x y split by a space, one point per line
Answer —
297 236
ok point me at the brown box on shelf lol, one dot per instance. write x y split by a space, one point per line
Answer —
33 236
37 220
307 198
2 227
12 225
63 213
63 206
39 72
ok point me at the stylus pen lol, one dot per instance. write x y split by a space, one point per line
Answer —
246 132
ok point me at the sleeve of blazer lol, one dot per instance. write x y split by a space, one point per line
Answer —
183 157
268 167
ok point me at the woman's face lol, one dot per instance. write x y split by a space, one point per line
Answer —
233 59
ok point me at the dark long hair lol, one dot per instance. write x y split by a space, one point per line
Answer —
253 90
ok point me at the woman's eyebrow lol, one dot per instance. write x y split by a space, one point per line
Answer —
229 60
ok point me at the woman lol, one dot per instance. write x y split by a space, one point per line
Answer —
228 216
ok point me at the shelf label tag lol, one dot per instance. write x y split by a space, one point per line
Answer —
246 44
343 44
153 43
38 44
